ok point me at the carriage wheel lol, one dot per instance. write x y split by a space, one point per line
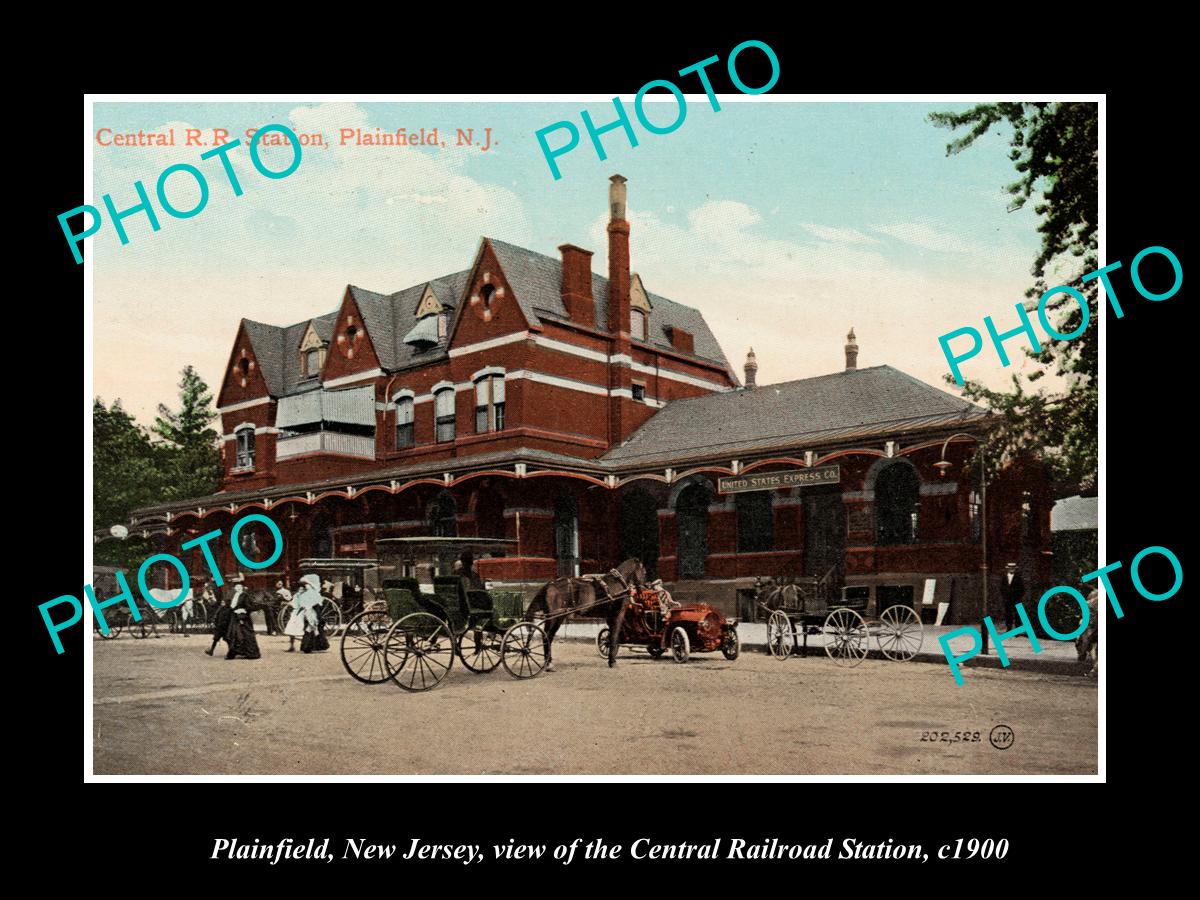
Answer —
602 642
846 638
113 630
418 651
331 617
199 614
362 647
525 650
781 639
731 646
900 633
480 649
681 647
142 629
284 615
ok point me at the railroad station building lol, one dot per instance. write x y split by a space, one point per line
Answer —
585 419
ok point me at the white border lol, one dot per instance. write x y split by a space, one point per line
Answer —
88 356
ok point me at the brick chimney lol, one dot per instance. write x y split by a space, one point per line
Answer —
851 351
751 370
577 284
618 257
683 341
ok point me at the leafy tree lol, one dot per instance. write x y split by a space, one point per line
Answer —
194 462
127 472
1054 149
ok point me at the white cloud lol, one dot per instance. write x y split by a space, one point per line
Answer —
927 237
838 235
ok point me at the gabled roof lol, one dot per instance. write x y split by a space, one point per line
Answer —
537 282
846 405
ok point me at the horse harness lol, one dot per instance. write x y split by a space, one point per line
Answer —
598 582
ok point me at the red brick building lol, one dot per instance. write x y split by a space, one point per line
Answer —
586 419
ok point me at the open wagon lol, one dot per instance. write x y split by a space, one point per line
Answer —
804 607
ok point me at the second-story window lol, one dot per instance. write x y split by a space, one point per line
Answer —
489 404
245 448
444 411
404 423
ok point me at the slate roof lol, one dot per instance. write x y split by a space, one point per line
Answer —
828 408
536 281
1075 514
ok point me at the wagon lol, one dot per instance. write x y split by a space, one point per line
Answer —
412 638
800 607
657 622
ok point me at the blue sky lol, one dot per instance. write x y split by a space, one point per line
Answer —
785 223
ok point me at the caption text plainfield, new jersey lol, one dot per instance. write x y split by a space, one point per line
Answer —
362 850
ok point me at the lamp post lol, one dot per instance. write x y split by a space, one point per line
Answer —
942 465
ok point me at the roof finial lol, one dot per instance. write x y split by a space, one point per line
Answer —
851 351
751 370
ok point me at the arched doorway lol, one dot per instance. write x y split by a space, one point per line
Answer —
824 530
638 529
320 542
566 535
691 518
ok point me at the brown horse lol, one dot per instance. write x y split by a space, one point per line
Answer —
595 595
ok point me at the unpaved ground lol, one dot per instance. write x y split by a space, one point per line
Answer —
162 707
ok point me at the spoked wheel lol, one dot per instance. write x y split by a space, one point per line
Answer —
900 633
284 615
142 629
846 638
525 650
681 647
781 639
331 616
731 645
362 646
418 652
114 629
602 642
480 649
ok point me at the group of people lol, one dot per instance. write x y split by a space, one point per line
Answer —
232 622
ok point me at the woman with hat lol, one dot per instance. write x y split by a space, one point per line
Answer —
240 635
308 593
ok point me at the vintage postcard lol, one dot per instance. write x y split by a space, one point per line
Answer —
672 435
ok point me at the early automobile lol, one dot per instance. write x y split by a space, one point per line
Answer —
657 622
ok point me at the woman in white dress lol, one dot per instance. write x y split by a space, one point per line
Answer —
310 587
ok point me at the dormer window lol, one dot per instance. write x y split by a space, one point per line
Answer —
312 354
637 324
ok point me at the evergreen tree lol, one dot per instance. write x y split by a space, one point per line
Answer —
1054 149
193 460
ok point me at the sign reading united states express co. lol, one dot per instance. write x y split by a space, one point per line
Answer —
767 481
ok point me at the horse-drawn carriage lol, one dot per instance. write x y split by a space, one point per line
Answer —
804 607
657 622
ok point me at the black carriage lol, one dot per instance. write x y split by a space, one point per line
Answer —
801 607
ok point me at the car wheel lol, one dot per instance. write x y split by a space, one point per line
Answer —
681 647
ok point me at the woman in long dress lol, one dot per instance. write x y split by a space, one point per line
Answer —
295 623
310 601
242 641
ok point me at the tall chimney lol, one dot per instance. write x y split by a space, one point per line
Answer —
751 370
851 351
577 284
618 257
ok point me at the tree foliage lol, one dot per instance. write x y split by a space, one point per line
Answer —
1054 148
131 469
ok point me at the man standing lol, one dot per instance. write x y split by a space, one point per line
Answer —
1012 589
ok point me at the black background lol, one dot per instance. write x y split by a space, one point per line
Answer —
1058 830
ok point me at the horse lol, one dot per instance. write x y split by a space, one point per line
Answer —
167 597
558 600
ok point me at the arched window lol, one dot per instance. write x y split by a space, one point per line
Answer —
755 522
489 404
443 515
245 447
404 423
444 411
897 506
